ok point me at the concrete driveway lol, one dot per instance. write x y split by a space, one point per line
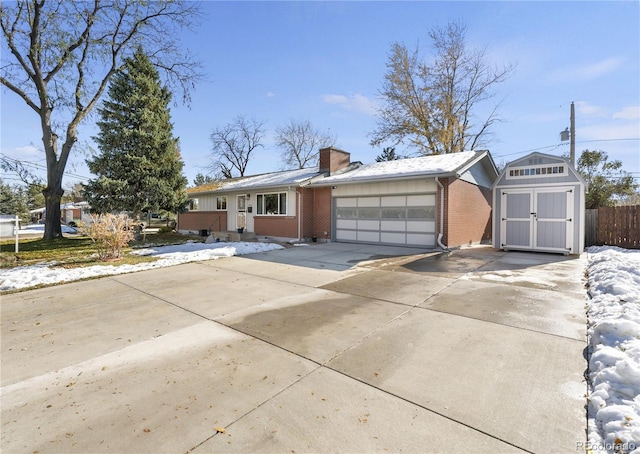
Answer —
327 348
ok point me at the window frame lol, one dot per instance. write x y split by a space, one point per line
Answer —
537 171
261 205
219 199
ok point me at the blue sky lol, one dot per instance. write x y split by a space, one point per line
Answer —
325 61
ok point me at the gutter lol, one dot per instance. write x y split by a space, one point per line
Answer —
381 178
440 234
299 196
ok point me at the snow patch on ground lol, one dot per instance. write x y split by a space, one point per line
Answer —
614 343
46 273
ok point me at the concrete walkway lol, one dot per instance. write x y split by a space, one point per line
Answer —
327 348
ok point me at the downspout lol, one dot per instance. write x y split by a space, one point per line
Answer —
299 215
440 234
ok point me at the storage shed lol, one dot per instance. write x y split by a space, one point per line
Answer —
538 205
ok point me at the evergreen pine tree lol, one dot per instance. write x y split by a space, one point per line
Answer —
139 167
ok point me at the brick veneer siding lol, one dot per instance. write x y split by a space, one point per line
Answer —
322 213
203 220
468 213
316 212
279 226
332 159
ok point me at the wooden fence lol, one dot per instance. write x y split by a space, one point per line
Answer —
613 226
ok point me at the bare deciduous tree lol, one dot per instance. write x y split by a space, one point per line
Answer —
62 53
432 106
300 143
233 144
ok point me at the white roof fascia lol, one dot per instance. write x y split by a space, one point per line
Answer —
413 176
481 155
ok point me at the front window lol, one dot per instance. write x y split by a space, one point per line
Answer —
221 202
193 204
272 204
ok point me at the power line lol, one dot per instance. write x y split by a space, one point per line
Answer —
41 167
553 147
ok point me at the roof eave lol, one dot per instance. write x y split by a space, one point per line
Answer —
251 188
415 176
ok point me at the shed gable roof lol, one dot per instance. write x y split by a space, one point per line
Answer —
537 158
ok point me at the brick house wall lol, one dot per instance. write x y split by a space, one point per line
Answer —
322 213
278 226
467 213
200 220
316 212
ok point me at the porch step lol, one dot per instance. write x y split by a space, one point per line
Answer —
230 235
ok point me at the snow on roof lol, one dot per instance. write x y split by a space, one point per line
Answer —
426 165
265 180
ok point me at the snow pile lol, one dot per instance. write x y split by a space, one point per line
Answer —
48 273
614 343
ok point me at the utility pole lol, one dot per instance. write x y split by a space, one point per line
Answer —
572 155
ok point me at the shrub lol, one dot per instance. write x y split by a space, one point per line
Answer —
165 229
110 233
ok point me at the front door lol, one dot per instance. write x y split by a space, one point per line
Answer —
241 211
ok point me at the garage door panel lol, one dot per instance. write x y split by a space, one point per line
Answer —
396 238
368 225
393 213
421 238
369 237
346 202
421 200
421 226
393 201
421 212
395 226
346 224
346 235
369 201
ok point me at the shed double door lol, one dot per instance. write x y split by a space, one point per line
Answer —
537 219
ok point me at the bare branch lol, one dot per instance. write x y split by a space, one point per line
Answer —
234 143
431 106
300 143
63 54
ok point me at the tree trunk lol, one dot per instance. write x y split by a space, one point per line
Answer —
55 171
52 227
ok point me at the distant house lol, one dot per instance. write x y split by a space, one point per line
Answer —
431 201
69 213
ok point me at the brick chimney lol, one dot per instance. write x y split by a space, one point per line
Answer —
332 160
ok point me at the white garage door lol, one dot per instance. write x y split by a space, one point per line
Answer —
395 219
